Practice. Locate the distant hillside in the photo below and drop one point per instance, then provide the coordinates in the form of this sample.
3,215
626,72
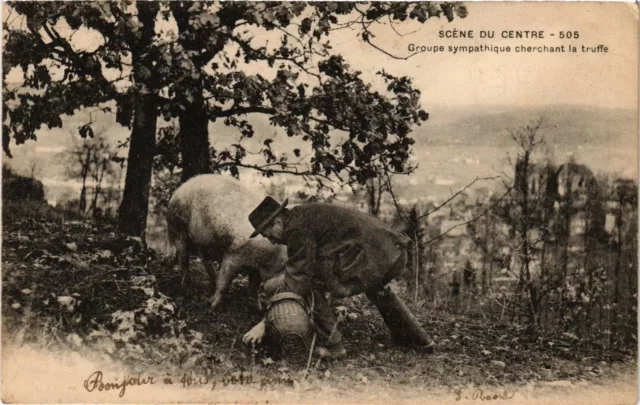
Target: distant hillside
565,125
457,145
454,146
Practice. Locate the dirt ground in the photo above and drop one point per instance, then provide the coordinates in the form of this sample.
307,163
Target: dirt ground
32,376
64,290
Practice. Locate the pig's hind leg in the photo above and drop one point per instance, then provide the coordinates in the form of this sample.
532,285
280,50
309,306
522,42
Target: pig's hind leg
179,239
212,260
182,258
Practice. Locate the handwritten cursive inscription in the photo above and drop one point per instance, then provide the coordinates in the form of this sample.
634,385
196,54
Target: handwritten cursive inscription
94,382
97,381
272,382
480,395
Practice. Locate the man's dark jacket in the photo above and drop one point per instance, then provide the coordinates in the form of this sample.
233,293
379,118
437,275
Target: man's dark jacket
347,251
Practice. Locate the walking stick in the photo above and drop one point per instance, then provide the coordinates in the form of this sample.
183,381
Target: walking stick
313,344
315,334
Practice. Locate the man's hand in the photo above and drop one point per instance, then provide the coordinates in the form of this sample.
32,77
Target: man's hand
255,335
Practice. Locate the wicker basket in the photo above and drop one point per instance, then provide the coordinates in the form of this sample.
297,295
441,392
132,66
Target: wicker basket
289,322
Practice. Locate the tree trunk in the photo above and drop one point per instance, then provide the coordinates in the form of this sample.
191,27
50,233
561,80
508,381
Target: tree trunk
542,316
98,179
132,215
566,239
484,276
84,173
616,275
417,265
194,138
374,195
534,312
194,121
83,197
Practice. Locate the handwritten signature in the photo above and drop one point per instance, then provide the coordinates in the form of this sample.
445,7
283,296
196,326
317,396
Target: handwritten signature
480,395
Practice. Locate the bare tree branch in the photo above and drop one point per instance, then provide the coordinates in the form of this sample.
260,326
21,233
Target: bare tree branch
392,24
366,38
473,219
462,190
243,110
266,169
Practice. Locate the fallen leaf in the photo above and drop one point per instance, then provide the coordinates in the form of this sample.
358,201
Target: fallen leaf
596,370
74,339
361,377
105,344
191,361
105,254
67,302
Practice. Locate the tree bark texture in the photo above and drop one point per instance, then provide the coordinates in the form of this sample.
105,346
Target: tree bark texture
132,214
194,138
132,218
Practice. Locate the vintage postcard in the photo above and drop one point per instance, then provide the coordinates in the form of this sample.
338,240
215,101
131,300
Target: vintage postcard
319,202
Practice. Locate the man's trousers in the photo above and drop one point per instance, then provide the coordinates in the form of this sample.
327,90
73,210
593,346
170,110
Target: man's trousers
405,328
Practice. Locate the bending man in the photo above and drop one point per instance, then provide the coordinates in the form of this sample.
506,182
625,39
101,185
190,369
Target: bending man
341,251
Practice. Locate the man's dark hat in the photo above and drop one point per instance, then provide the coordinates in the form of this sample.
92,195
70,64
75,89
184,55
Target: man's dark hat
262,216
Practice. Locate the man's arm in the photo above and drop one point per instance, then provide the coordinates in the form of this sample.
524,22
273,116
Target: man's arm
301,249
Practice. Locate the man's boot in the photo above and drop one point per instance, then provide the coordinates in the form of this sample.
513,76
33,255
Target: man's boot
405,328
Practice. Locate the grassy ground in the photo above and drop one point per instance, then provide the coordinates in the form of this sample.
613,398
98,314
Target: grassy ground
80,287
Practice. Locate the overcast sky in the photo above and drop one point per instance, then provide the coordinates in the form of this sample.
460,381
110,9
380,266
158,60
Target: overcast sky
606,80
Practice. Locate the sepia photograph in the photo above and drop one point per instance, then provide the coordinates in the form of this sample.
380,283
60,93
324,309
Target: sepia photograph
260,202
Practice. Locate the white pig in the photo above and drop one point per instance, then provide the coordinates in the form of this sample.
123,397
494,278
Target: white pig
208,215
